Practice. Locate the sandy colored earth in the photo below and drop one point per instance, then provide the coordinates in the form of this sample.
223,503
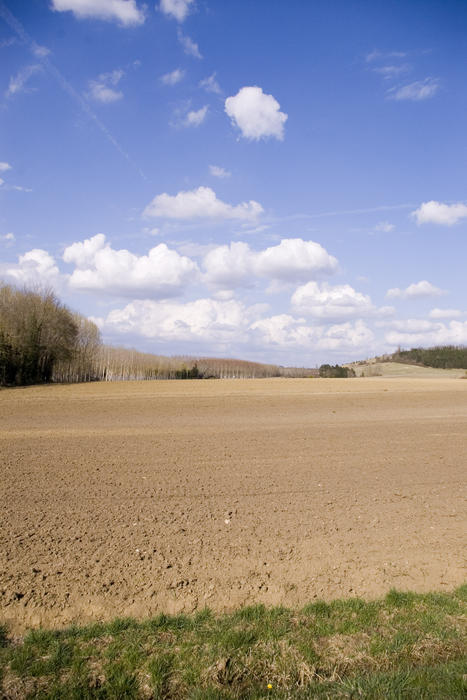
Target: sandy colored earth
139,497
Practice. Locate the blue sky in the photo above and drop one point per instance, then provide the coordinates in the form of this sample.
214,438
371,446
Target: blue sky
274,181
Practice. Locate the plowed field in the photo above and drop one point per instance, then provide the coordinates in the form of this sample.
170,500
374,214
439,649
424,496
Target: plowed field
140,497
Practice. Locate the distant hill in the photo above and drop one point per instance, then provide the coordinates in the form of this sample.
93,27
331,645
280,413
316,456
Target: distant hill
374,368
440,360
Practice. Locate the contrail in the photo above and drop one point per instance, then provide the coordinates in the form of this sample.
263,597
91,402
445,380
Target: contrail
343,212
18,28
369,210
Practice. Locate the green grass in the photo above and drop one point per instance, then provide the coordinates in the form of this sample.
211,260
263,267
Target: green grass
405,646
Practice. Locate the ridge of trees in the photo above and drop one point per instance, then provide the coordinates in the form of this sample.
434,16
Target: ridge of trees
438,356
42,340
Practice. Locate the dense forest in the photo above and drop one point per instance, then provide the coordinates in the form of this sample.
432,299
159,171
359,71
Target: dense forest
41,340
441,357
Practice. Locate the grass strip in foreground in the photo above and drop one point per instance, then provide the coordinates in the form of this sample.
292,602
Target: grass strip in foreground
405,646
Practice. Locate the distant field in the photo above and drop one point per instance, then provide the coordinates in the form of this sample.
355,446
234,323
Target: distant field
397,369
140,497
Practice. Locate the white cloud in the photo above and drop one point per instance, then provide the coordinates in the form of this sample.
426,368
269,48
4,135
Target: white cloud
36,266
103,90
445,313
384,227
202,320
126,12
200,203
217,171
162,273
1,181
210,84
195,118
423,333
256,114
331,302
83,253
8,238
19,81
295,260
417,290
286,331
227,322
419,90
391,71
437,213
40,51
230,265
178,9
19,188
174,77
189,46
4,167
292,260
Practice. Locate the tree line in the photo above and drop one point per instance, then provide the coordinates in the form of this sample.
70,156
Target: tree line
42,340
439,356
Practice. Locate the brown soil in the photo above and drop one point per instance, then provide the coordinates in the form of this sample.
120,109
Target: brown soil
140,497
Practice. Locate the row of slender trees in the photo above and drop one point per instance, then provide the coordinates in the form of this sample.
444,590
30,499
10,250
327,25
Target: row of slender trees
41,340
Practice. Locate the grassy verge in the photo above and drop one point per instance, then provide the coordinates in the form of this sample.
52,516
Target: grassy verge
405,646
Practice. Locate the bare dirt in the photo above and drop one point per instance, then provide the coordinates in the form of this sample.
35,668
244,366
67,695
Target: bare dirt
139,497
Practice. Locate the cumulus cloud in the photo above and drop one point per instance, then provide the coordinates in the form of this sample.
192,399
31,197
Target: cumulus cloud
417,290
286,331
330,302
205,320
230,265
177,9
295,260
210,84
196,117
217,171
36,266
417,91
174,77
19,81
4,167
292,260
189,46
437,213
445,313
256,114
199,203
126,12
162,273
414,332
231,323
103,89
